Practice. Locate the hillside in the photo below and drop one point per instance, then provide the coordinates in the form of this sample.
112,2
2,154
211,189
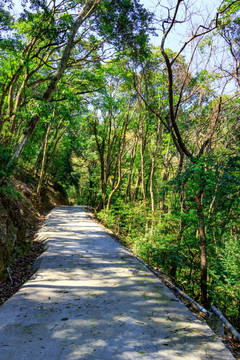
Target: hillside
21,214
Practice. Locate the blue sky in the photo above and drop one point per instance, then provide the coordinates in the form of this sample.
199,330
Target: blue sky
197,12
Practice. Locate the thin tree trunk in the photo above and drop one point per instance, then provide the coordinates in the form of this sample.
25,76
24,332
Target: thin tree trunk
143,139
43,160
203,249
54,148
153,169
86,11
13,113
100,149
120,156
128,191
120,175
136,188
34,169
14,79
142,170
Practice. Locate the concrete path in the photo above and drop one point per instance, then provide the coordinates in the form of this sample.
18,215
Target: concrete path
91,299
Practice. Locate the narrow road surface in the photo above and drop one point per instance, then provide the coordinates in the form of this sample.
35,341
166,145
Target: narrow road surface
91,299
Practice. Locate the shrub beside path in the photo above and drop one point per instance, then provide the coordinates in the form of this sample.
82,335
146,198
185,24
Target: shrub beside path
92,299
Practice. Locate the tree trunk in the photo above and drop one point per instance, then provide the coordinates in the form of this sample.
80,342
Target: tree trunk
153,169
43,160
136,188
129,183
142,170
203,249
51,155
116,186
86,11
120,156
34,169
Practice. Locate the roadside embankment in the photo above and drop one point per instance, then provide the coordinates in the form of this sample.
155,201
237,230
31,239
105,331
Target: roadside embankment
21,214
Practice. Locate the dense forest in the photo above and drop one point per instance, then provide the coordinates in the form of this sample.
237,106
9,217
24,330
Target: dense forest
146,135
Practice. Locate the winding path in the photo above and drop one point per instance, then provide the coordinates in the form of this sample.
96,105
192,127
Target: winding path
91,299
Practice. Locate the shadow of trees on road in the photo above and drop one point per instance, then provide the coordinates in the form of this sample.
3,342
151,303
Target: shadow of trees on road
91,299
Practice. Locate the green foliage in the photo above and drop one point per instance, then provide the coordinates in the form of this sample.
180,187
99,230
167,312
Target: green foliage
5,20
126,24
6,187
4,158
170,242
9,190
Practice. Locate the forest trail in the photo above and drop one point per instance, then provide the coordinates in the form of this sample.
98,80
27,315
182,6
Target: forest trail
92,299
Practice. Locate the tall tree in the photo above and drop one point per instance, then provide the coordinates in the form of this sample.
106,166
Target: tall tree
63,40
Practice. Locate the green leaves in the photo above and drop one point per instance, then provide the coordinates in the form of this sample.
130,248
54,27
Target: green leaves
5,20
125,23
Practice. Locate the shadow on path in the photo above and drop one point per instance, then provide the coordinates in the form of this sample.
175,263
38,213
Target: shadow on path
92,299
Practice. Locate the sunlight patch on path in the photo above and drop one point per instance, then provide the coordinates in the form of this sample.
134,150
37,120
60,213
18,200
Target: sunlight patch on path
91,299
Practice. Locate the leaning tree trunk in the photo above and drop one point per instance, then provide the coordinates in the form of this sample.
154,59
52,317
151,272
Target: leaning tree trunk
86,11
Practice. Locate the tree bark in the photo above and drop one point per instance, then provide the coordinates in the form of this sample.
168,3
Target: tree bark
203,249
120,156
136,188
153,169
129,182
43,160
56,141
